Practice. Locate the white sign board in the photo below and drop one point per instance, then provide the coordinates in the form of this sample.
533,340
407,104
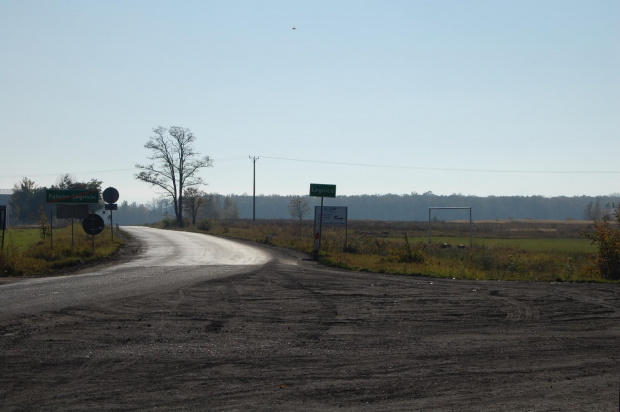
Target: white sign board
332,215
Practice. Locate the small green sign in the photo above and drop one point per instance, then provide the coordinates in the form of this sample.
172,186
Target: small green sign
319,190
83,196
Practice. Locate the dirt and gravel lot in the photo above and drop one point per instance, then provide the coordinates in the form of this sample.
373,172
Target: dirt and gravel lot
295,336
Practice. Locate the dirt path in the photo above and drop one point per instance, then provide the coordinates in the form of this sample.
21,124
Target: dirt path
293,336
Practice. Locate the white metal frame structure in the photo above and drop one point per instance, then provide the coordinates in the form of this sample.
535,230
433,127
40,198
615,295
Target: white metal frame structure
470,221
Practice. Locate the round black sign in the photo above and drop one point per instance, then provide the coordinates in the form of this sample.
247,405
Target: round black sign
110,195
93,224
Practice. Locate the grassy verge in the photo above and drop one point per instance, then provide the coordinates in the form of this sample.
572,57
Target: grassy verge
27,254
536,251
558,254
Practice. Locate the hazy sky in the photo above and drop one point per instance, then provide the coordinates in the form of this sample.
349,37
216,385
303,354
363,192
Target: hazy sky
493,97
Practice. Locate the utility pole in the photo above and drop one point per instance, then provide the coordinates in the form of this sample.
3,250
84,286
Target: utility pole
254,159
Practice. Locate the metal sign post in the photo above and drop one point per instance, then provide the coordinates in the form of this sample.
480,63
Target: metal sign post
75,197
110,196
72,212
318,247
332,216
2,223
93,225
320,190
111,207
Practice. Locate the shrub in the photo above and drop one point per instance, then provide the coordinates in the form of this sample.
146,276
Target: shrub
485,259
43,227
7,262
266,240
408,254
515,265
350,248
606,260
204,225
570,268
167,223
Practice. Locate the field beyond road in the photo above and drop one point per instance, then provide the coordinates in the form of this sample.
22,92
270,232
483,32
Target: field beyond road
292,335
488,250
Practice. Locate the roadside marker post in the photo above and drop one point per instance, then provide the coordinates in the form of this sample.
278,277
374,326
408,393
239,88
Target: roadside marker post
110,197
3,220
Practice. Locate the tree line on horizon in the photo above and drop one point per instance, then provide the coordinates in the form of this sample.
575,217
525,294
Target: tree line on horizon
28,202
415,207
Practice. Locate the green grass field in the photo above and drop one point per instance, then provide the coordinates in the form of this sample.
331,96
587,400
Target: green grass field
26,253
21,239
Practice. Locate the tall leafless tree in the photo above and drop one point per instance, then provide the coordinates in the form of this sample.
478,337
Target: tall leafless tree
298,207
176,164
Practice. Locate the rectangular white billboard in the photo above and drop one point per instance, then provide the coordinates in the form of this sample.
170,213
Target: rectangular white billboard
332,215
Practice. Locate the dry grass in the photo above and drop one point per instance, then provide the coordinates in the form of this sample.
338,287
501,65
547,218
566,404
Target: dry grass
26,253
501,250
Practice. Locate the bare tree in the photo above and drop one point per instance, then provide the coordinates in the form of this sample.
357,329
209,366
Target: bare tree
230,210
177,164
298,207
597,211
194,201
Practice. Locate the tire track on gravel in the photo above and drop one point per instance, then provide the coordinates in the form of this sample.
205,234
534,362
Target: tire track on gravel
517,310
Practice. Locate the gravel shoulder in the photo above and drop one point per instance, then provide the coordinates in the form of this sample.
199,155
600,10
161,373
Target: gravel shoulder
293,335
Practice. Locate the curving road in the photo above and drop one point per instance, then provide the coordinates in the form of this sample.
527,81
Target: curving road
171,248
166,259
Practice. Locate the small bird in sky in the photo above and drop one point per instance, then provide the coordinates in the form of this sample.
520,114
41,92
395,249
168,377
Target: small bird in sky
294,28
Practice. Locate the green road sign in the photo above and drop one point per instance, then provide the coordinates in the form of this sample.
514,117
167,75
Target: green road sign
318,190
72,196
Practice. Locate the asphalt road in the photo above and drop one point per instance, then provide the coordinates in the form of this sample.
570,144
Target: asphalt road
162,263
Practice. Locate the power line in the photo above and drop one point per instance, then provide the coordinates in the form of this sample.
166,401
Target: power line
133,169
72,173
445,169
441,169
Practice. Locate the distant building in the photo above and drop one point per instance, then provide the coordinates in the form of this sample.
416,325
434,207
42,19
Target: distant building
5,196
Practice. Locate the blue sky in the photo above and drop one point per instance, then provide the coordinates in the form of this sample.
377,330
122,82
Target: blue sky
472,97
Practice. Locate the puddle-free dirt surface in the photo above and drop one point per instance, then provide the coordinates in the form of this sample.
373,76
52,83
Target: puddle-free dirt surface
290,335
